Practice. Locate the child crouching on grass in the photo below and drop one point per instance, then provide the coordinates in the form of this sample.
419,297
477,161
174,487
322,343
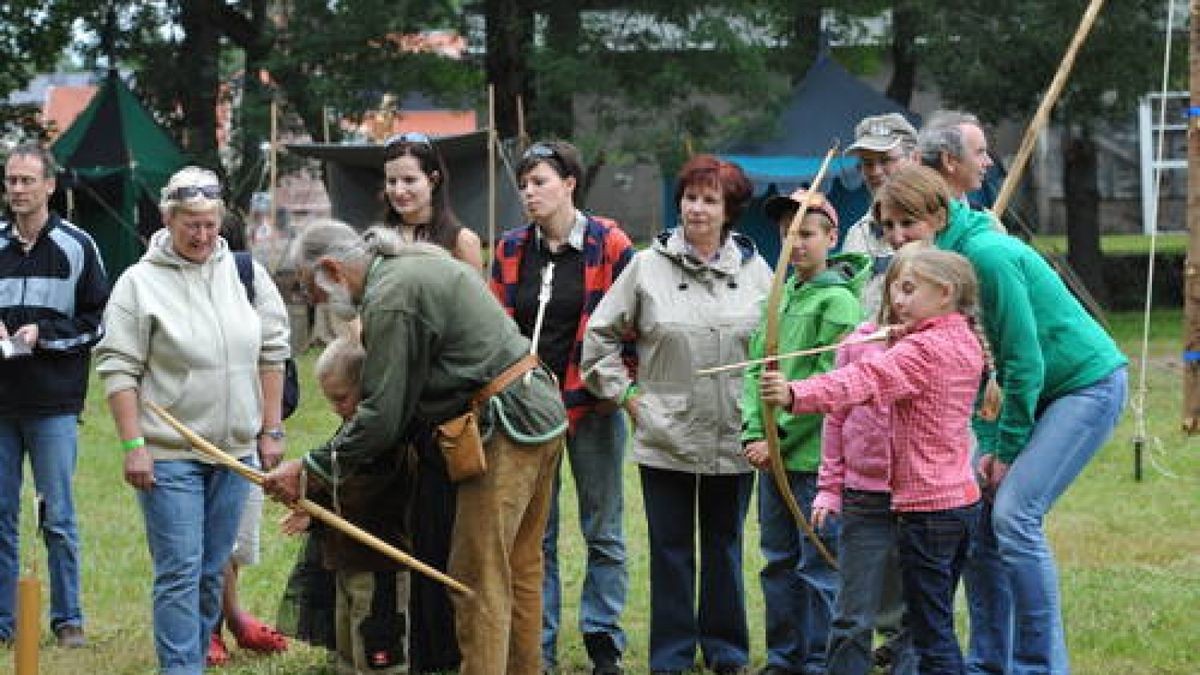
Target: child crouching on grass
372,590
930,376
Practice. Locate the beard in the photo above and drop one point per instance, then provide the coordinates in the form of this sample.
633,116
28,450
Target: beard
338,299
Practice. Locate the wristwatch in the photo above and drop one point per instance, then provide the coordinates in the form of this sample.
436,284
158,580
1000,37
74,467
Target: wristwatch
276,434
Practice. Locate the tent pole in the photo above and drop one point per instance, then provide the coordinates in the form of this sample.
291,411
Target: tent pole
274,158
522,135
491,155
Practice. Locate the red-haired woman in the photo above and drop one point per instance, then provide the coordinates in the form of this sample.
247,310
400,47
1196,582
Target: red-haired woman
692,300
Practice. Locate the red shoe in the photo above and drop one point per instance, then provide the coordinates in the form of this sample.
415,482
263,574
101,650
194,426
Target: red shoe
257,636
217,655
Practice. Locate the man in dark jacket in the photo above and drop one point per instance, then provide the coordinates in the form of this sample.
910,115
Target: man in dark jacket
52,293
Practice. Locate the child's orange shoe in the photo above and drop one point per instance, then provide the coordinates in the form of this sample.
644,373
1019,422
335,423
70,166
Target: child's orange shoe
256,636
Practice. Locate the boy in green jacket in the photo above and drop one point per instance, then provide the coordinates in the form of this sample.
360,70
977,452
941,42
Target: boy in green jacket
820,304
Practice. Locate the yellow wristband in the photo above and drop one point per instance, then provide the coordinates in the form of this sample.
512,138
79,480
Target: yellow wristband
133,444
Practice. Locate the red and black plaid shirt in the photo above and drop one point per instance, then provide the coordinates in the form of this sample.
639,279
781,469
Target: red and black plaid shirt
606,251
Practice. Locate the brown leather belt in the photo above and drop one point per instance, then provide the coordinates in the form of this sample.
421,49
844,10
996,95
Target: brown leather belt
505,378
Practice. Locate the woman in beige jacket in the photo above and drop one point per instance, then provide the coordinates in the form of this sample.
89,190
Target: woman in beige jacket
181,332
692,299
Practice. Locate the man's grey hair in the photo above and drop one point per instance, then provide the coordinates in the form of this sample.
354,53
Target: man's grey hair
942,133
38,152
329,238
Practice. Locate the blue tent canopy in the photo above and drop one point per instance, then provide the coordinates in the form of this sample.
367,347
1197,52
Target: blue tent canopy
788,172
824,107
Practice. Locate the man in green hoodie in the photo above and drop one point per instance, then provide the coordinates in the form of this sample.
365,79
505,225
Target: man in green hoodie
820,305
1064,384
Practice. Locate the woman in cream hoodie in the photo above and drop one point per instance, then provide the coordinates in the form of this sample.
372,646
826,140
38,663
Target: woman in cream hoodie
180,332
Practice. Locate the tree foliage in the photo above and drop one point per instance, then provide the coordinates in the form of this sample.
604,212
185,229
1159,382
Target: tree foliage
33,35
996,57
656,78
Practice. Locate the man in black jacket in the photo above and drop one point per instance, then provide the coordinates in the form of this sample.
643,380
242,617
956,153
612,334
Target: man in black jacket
52,294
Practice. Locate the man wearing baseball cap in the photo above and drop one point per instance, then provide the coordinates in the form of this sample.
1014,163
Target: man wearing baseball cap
870,599
882,144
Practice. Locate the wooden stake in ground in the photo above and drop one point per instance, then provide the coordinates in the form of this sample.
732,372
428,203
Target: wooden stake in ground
29,607
315,510
1191,268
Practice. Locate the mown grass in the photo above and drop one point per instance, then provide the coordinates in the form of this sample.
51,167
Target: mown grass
1129,552
1119,244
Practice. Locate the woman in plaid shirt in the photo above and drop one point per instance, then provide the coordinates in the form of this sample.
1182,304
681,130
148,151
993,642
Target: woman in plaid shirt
549,276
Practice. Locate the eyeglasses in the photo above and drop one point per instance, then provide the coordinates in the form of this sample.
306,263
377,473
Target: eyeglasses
184,193
410,137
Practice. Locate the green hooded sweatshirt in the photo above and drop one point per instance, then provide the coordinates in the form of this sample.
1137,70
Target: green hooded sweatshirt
815,313
1044,343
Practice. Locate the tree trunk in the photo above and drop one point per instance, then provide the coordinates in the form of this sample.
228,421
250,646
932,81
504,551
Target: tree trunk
509,42
806,39
1083,211
555,113
255,112
904,54
198,97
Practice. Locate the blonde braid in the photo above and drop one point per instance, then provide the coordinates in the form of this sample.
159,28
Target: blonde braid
993,395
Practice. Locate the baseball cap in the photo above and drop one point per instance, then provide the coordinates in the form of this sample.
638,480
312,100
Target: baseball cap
880,133
777,205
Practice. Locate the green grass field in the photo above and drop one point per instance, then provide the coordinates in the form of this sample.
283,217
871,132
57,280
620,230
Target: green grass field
1119,244
1129,552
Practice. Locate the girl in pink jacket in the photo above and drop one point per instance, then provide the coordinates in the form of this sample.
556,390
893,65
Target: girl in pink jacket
854,481
929,377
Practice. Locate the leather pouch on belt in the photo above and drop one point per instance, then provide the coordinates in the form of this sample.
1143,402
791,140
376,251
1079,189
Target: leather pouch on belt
462,447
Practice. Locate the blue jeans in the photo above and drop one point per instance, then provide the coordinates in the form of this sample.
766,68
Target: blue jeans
798,586
870,586
675,502
933,549
1011,578
50,442
595,449
191,517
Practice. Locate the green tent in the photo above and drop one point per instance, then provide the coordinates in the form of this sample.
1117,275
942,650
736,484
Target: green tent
115,160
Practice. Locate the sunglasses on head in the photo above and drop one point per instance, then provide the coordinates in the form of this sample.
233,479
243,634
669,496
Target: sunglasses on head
541,151
187,192
409,137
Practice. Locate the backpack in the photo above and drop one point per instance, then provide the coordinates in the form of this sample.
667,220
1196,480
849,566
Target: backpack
291,380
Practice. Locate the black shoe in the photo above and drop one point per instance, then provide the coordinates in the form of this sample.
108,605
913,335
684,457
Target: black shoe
883,656
70,637
604,654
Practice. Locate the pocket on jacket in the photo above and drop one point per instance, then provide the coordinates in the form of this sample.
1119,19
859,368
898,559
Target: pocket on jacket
661,418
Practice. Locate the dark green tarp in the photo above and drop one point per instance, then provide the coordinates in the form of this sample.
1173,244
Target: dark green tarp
115,159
